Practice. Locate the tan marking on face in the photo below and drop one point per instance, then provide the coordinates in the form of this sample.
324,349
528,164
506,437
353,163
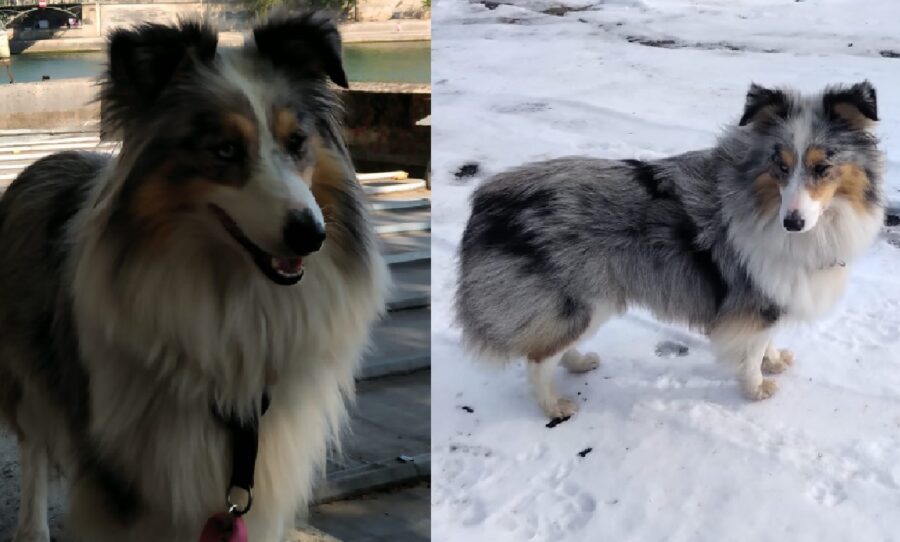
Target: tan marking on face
331,179
822,191
284,123
852,183
788,157
768,193
814,156
242,126
158,201
853,116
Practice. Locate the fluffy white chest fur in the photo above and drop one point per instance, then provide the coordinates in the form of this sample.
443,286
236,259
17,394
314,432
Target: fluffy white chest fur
806,273
171,341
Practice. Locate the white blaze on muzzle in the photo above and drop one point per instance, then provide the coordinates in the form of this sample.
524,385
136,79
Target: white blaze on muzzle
799,211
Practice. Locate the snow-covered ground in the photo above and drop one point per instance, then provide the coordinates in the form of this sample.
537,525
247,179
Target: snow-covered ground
675,454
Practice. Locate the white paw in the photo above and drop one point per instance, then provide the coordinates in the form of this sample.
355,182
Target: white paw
775,365
577,363
763,391
559,408
31,535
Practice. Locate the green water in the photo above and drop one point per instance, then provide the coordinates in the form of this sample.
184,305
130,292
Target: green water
401,62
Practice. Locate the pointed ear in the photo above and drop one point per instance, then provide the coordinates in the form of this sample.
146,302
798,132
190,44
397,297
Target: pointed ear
304,46
143,60
764,104
857,105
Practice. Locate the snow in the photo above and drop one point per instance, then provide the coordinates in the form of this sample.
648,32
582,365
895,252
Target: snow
676,453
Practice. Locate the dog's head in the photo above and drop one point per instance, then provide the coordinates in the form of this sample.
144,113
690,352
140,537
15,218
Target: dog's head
810,152
231,142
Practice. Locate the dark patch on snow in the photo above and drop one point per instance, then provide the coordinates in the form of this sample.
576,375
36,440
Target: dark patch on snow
583,453
663,44
704,46
467,170
892,220
559,11
894,241
468,409
671,349
525,107
556,421
888,53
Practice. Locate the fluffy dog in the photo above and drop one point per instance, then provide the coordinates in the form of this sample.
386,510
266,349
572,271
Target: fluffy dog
731,240
147,300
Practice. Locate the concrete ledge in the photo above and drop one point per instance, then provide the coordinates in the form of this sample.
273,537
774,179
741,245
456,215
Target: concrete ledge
373,32
381,118
55,104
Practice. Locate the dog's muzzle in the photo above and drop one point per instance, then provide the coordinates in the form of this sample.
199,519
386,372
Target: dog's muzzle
302,233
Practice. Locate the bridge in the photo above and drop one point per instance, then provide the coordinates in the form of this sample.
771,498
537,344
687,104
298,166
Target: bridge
9,15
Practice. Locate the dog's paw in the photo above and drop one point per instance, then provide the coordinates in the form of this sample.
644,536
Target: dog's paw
766,389
560,408
32,535
575,362
778,364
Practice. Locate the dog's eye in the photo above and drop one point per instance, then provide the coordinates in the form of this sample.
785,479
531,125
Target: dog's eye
779,163
228,150
295,143
821,169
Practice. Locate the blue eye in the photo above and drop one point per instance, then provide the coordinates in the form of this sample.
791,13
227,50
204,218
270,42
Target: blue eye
228,151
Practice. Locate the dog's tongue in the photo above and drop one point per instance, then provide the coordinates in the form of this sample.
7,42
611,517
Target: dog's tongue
288,266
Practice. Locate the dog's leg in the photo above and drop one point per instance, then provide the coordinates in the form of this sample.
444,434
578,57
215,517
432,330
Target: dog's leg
743,343
33,467
576,362
776,361
540,376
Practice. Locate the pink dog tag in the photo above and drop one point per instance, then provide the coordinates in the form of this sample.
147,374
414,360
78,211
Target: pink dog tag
224,528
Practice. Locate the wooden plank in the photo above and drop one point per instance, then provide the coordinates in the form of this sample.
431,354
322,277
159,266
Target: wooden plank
401,343
402,515
398,175
391,418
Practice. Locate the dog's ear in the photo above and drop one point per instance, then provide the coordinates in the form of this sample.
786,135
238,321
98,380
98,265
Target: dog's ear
857,105
143,60
764,104
305,46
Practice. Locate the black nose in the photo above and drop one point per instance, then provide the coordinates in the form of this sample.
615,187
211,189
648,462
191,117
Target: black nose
793,221
302,232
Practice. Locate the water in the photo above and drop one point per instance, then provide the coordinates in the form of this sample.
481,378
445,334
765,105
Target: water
401,62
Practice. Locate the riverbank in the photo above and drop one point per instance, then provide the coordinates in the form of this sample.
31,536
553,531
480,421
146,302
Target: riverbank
399,30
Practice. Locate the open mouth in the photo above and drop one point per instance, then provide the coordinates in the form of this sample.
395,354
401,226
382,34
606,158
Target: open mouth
280,270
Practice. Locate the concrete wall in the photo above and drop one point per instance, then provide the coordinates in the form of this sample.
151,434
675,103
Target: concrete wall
381,125
63,103
98,18
383,10
380,122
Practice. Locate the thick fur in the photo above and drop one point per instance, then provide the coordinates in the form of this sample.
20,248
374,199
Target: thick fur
553,249
130,317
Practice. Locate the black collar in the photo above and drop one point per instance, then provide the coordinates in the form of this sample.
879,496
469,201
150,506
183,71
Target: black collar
244,447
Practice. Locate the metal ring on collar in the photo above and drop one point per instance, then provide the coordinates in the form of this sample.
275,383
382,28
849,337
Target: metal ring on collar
233,509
